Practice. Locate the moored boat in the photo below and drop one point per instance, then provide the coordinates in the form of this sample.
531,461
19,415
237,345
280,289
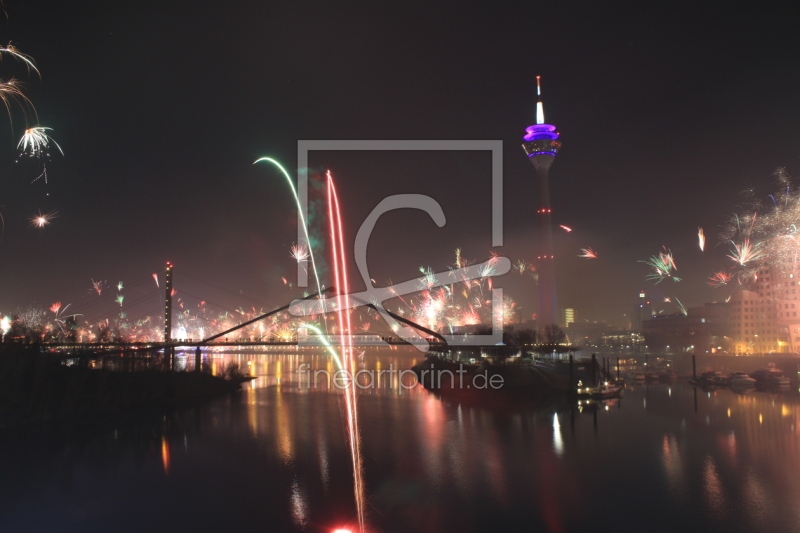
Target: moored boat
781,381
714,378
742,389
770,375
741,379
601,390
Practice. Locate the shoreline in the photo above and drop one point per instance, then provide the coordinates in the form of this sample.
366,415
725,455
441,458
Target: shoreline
38,389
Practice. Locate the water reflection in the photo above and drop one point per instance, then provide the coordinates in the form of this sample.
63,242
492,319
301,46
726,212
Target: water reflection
672,461
713,489
558,444
276,457
299,506
165,454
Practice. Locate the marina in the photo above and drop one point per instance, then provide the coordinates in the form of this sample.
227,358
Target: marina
712,459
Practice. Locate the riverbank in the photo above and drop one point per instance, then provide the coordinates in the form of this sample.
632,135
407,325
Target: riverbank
39,388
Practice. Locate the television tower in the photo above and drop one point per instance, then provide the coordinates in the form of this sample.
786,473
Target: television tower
541,145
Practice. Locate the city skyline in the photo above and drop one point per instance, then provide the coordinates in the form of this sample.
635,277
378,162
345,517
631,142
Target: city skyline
160,127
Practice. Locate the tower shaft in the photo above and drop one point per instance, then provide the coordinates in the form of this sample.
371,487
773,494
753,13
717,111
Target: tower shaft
168,305
545,256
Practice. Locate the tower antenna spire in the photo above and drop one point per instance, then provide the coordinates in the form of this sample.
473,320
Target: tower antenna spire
539,105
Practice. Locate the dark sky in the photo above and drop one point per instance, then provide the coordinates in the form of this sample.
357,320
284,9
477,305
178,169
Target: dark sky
666,115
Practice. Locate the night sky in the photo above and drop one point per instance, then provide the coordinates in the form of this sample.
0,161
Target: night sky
666,116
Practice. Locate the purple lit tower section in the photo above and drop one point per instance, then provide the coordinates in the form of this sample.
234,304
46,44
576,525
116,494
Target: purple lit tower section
541,145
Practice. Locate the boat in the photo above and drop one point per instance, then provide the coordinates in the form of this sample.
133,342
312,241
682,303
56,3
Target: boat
770,375
601,390
780,381
741,383
742,389
714,378
741,379
710,378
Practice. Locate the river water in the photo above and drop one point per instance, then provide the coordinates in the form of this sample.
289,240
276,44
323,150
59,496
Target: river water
275,457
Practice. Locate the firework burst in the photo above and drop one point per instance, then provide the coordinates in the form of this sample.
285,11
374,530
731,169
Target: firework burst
745,252
41,220
300,253
12,51
663,266
718,279
11,90
763,235
588,253
489,268
429,279
35,142
98,286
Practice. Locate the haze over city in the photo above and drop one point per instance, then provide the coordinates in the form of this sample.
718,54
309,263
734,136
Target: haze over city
666,116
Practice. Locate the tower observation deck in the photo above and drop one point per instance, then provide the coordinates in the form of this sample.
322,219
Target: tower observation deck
541,145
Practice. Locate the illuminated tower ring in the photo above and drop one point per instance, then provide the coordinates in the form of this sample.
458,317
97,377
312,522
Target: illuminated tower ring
541,145
541,139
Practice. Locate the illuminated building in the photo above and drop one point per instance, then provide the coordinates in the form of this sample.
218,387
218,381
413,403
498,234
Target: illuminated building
702,330
588,334
621,342
760,318
764,318
541,146
643,310
567,316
